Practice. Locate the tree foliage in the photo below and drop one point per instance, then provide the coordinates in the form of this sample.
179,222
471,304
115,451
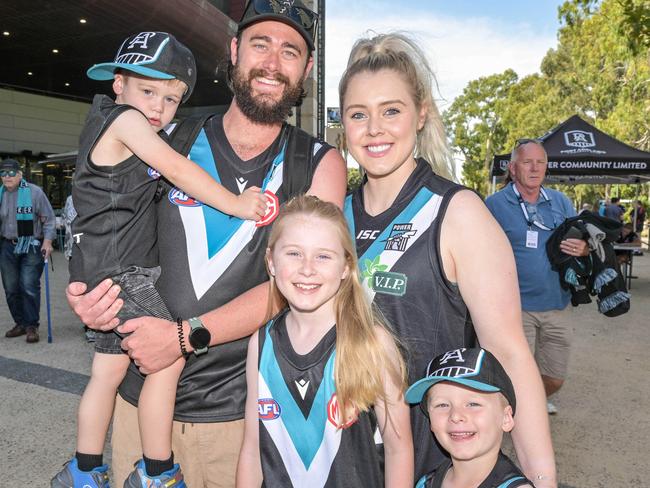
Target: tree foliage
354,179
474,119
600,70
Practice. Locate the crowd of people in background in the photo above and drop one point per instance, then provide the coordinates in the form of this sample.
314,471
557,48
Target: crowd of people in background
634,214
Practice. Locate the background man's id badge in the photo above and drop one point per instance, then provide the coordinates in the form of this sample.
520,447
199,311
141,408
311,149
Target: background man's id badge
531,239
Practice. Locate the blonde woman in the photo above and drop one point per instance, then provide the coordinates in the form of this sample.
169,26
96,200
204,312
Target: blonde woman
433,259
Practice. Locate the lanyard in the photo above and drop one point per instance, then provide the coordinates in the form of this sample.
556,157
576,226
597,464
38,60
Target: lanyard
522,204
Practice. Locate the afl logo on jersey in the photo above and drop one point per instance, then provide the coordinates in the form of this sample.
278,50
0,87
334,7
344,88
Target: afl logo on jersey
272,209
153,173
268,409
333,414
180,199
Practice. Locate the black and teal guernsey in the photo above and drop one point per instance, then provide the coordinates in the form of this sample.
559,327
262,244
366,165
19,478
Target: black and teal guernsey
115,227
401,270
300,444
208,258
504,475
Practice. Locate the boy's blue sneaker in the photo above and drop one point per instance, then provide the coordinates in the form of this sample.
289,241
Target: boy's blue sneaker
72,477
169,479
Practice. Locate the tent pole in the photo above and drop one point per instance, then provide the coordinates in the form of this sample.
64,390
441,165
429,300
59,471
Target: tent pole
636,199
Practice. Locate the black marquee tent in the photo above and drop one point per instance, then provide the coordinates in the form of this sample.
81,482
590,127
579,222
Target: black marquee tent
580,153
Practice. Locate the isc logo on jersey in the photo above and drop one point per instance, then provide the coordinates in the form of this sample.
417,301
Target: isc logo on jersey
153,173
365,235
180,199
268,409
333,414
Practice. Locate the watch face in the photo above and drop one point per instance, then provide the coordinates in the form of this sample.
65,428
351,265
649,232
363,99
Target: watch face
200,338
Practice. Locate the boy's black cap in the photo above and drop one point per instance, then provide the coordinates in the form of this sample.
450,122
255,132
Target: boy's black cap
292,12
154,55
475,368
9,164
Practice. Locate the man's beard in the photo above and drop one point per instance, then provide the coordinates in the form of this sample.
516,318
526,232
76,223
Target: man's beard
261,109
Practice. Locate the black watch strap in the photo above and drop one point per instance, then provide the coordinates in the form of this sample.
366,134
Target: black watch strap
199,336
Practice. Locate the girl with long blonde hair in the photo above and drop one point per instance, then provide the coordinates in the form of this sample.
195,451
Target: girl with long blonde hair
325,376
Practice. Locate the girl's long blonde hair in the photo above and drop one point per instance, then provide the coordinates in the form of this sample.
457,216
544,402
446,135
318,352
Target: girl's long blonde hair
399,53
362,361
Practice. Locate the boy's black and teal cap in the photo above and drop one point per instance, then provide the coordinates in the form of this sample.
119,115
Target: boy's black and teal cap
291,12
157,55
475,368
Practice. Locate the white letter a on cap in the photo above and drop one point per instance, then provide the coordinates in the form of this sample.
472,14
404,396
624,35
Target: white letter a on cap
457,354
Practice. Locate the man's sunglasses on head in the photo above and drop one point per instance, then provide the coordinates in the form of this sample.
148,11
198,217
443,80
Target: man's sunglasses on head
526,140
299,14
11,173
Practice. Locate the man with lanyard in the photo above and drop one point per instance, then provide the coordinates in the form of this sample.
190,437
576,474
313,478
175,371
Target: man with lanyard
212,265
528,214
27,226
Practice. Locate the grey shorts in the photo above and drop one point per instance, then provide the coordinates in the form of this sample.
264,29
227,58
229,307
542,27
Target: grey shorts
549,336
141,299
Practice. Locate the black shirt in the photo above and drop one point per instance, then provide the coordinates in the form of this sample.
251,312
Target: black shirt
201,271
115,225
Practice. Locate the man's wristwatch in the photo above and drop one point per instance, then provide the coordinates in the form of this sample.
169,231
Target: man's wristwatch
199,336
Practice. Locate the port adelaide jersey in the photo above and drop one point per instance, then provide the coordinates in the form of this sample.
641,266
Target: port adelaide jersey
300,444
401,271
208,258
504,475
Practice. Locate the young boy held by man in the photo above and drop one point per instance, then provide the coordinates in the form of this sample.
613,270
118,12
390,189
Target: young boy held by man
122,153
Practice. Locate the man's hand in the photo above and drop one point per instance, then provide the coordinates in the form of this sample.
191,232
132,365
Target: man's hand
153,344
98,308
574,247
46,249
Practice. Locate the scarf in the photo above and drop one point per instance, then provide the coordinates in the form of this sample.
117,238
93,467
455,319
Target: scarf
24,217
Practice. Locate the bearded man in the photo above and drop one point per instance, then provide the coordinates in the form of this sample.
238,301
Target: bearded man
213,268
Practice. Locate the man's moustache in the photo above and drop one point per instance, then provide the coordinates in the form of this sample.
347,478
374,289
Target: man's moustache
260,73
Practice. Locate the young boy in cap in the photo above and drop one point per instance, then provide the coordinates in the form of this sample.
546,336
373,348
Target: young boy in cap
121,156
470,402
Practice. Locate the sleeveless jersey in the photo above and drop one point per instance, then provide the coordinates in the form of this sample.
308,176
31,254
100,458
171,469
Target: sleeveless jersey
401,270
504,475
116,220
300,444
209,258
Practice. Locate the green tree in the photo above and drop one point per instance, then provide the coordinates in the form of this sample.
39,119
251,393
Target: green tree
602,64
475,128
600,70
354,179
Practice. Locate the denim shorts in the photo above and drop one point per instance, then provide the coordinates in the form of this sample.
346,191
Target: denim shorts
141,299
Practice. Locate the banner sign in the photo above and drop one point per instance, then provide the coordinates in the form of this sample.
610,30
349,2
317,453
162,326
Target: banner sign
578,152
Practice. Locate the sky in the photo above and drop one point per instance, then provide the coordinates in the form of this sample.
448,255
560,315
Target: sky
464,39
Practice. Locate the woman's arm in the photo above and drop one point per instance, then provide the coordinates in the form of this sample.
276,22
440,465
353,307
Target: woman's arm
477,255
393,417
249,467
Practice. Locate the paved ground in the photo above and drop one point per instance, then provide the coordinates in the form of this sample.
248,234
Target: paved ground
600,434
